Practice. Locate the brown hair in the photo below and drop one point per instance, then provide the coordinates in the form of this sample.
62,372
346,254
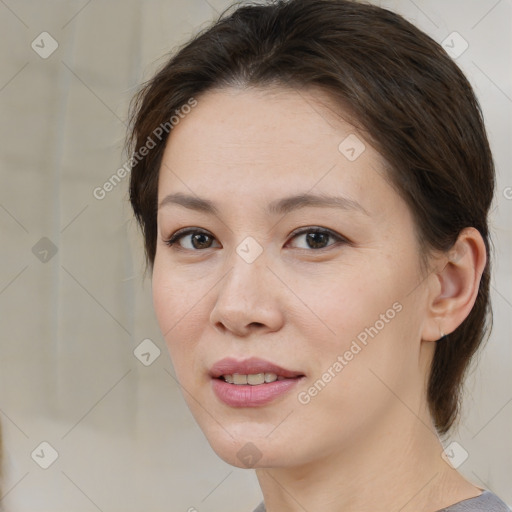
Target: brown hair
412,102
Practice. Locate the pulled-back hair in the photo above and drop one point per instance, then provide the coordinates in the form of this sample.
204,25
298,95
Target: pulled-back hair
401,89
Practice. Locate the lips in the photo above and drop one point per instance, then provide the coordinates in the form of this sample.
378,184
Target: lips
252,382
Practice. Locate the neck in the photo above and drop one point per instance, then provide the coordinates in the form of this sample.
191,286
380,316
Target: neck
381,470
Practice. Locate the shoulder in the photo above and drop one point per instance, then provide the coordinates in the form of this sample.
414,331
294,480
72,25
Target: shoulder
486,502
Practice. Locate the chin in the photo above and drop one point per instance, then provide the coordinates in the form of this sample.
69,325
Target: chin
245,449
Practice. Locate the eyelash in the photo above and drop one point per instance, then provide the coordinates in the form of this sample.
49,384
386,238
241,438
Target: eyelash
173,239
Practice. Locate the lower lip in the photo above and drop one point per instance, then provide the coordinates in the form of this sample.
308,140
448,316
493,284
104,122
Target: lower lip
245,395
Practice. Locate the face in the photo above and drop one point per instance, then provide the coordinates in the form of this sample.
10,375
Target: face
284,252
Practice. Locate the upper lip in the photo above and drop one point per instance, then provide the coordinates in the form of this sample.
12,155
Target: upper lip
229,366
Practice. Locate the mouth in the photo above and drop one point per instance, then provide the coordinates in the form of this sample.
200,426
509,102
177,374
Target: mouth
251,382
251,372
252,379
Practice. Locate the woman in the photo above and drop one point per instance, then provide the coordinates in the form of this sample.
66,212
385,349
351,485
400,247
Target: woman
312,179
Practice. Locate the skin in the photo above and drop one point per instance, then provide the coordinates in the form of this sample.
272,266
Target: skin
366,442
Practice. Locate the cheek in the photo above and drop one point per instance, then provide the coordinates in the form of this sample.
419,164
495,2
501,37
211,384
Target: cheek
379,335
179,303
342,303
366,314
177,292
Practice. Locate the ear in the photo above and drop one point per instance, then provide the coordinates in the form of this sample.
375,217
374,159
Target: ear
453,285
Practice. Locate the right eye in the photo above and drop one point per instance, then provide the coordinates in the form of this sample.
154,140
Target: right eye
193,239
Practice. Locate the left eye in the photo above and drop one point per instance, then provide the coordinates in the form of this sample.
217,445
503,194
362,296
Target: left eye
317,238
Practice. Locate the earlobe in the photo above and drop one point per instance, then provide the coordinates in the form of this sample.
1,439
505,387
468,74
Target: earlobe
455,286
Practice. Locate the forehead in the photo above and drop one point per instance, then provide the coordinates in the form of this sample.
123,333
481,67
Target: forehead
262,141
264,120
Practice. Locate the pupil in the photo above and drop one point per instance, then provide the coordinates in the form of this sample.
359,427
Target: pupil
201,239
316,240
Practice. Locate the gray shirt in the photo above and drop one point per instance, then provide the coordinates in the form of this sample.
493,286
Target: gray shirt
486,502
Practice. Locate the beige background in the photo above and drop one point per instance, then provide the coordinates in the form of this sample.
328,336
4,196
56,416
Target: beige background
69,325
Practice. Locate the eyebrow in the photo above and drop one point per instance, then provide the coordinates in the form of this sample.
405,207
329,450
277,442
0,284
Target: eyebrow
277,207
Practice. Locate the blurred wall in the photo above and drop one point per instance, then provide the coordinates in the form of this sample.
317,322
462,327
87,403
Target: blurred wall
111,429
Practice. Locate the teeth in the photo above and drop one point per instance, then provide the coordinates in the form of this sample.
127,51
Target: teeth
239,379
258,378
252,379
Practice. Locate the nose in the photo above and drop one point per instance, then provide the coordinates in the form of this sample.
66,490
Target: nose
248,300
